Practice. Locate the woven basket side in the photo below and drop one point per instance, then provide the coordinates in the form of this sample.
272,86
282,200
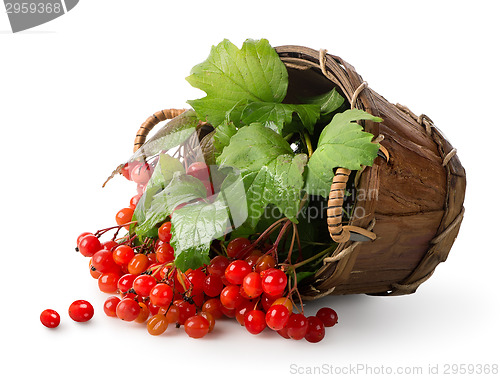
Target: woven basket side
424,225
447,232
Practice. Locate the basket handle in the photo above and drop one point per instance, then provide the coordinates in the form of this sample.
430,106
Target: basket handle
338,232
335,203
151,122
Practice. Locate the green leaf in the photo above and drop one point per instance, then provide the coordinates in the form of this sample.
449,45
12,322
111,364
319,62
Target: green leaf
180,190
233,193
342,143
271,172
222,135
194,226
165,169
280,114
328,102
192,257
162,175
232,77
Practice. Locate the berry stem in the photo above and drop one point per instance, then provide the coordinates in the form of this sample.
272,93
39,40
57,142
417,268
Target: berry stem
261,238
99,233
308,143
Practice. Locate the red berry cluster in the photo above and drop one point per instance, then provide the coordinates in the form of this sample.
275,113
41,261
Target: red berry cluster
153,291
245,283
254,292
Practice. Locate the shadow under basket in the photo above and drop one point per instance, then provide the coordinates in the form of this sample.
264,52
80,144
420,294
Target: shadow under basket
410,202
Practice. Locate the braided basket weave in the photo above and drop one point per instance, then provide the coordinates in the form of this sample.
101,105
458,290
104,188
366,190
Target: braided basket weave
412,205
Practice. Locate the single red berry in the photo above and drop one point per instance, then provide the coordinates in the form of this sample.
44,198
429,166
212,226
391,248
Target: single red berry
218,265
212,285
230,297
265,262
152,259
196,326
237,246
157,325
277,316
164,232
81,311
165,253
255,321
108,282
297,326
161,295
143,284
315,330
199,170
236,271
127,169
141,173
50,318
123,254
128,309
103,261
196,278
328,316
274,281
125,282
252,284
253,257
124,216
81,236
138,264
110,306
186,310
213,306
89,245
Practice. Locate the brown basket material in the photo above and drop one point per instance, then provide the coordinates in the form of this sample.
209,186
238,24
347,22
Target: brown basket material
413,198
417,206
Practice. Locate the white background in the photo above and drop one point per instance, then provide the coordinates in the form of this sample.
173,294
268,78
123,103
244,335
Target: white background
74,91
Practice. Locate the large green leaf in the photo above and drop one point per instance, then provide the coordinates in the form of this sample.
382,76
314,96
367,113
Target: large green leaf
162,175
222,136
194,226
342,143
180,190
231,76
271,172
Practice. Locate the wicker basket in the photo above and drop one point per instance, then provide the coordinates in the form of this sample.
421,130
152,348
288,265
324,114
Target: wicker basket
412,205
